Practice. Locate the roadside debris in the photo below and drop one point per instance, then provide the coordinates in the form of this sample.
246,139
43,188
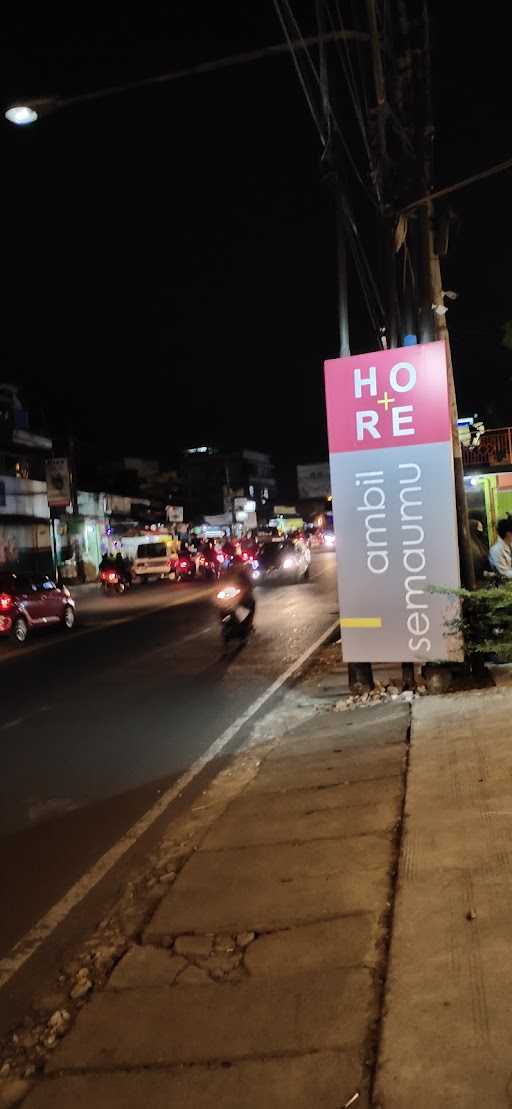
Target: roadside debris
379,695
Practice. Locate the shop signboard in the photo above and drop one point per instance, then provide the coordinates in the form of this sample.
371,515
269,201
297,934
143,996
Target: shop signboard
394,504
58,482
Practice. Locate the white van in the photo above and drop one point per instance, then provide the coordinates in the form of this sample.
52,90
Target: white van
154,560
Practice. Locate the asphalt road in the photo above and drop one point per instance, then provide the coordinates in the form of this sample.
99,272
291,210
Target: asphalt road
96,723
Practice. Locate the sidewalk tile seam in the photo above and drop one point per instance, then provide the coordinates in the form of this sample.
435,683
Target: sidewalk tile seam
281,928
379,834
328,785
246,974
375,834
215,1063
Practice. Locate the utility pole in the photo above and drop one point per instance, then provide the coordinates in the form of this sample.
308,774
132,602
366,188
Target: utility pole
432,320
360,674
466,558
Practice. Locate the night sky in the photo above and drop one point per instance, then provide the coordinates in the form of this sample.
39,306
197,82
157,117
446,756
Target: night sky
169,255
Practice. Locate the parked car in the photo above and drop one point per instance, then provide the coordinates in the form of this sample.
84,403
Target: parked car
283,561
28,603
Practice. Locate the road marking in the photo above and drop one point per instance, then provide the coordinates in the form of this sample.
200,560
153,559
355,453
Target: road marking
12,723
22,719
361,621
29,944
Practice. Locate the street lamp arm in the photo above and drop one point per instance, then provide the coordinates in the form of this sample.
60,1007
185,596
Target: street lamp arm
42,106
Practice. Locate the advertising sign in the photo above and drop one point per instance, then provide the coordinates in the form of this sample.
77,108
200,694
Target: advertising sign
314,481
58,482
394,503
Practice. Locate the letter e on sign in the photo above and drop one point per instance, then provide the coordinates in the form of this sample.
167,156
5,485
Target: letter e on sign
399,419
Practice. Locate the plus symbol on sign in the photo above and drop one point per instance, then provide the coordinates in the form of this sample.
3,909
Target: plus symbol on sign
386,401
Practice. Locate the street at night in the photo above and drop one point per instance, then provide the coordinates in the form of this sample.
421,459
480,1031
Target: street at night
255,557
96,723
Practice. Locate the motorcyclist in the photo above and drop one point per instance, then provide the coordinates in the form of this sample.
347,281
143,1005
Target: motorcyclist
229,549
239,578
123,567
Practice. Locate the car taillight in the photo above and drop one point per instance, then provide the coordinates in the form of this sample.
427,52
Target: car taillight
6,601
112,577
245,556
183,565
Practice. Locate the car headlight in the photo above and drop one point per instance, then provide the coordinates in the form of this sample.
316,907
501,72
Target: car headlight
289,563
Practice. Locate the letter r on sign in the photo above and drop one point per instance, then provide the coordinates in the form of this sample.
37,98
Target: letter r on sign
367,421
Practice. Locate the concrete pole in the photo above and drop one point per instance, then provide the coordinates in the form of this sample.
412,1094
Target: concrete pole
441,332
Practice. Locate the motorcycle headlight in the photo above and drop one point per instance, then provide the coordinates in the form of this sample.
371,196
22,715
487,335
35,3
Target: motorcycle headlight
227,594
289,563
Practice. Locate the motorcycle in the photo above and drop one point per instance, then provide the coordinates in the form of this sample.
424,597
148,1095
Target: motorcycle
112,581
211,565
236,613
185,568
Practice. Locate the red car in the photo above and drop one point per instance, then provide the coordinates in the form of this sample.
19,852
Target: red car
28,602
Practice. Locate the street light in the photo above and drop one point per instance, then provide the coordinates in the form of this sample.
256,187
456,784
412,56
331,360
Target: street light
31,110
21,114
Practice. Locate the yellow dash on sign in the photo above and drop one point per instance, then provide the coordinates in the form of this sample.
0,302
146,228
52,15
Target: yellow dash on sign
361,621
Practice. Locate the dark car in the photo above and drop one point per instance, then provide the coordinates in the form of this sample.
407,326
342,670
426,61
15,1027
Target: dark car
28,602
285,561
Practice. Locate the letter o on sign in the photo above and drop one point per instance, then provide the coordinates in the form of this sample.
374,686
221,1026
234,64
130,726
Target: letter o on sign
411,377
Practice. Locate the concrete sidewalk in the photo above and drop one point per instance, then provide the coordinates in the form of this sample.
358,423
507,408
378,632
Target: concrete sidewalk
258,980
447,1028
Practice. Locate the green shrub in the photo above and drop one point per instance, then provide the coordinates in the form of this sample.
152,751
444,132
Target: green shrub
485,621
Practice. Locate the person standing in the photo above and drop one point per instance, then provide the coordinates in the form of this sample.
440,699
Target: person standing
500,554
479,550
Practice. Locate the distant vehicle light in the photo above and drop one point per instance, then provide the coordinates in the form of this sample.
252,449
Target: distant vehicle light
112,577
183,565
256,574
245,556
220,558
5,600
255,563
228,594
21,114
289,563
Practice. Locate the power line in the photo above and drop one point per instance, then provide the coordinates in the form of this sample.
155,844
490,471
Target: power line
348,72
499,168
300,75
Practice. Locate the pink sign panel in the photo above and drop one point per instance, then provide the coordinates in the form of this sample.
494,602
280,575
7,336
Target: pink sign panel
392,398
394,505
